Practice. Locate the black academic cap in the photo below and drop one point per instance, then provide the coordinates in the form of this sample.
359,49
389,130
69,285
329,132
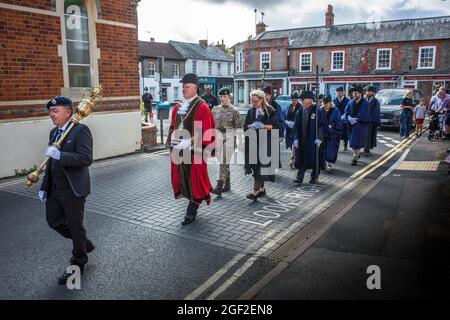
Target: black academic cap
307,95
268,90
190,78
327,99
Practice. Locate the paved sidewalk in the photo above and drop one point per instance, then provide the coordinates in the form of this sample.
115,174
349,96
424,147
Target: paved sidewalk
402,226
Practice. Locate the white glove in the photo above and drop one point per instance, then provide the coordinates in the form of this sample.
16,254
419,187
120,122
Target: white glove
318,142
53,152
281,139
290,124
257,125
352,120
296,143
42,196
343,117
185,143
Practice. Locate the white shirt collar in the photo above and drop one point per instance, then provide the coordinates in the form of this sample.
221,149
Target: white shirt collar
64,127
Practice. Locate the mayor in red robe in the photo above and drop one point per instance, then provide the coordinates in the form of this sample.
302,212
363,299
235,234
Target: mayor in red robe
190,140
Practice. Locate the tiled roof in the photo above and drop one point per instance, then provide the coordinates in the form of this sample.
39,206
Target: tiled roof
196,51
360,33
156,49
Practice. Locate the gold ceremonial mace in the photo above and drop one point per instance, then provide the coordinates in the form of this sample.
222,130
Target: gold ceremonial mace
84,109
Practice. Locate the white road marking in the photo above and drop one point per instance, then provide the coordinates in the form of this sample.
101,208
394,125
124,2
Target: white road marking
382,141
389,145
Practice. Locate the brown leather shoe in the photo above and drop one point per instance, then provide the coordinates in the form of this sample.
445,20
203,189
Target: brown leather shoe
218,188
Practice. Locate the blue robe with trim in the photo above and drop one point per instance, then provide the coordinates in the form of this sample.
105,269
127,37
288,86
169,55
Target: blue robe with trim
358,131
289,115
336,128
341,106
375,122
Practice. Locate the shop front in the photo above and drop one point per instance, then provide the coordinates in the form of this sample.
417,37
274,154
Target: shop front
207,82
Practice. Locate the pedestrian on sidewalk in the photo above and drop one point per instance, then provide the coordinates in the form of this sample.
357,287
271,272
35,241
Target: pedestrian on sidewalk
375,120
419,116
227,120
66,183
289,130
357,113
334,121
407,106
189,177
261,119
306,138
210,99
340,103
147,98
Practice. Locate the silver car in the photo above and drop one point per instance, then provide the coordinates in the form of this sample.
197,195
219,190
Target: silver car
390,100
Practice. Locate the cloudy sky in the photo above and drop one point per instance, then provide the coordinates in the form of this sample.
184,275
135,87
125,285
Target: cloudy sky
234,20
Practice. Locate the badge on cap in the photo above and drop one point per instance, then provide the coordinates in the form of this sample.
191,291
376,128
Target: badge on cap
53,101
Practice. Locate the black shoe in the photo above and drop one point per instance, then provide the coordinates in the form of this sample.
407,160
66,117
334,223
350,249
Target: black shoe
251,196
89,246
298,181
314,180
261,193
218,188
189,218
227,186
63,279
354,162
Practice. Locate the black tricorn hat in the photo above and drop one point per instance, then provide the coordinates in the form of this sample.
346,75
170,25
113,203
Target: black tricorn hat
190,78
307,95
295,95
358,89
327,99
59,101
320,96
372,89
268,90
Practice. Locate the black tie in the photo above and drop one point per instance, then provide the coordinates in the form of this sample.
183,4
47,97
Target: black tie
59,134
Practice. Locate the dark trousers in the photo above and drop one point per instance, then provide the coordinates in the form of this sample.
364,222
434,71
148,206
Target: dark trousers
65,214
302,170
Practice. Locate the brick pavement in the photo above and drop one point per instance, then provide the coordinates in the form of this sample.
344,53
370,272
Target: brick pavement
137,189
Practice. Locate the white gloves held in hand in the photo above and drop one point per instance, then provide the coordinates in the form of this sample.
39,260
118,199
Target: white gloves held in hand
42,196
183,144
352,120
257,125
290,124
318,142
53,152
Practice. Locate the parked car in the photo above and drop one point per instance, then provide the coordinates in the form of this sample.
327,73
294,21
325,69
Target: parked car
390,100
284,101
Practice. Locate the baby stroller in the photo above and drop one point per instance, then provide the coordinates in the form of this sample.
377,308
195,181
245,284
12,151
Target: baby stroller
435,126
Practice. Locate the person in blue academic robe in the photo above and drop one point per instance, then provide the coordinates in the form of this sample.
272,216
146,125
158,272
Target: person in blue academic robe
289,116
357,113
340,102
306,138
375,120
333,116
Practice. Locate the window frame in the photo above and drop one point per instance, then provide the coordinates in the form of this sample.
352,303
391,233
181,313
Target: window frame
194,63
176,70
419,56
300,61
210,68
239,62
332,60
378,59
154,69
261,60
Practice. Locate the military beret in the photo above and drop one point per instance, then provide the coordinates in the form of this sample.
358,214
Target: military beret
327,99
59,101
224,92
307,95
341,89
372,89
190,78
268,90
295,95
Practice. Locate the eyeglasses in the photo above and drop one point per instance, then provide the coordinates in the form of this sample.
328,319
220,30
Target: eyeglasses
255,100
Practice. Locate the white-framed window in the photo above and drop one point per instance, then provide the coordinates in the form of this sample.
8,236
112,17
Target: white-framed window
219,69
229,68
427,57
175,93
76,24
305,62
337,60
264,60
194,66
209,67
151,69
384,58
239,62
176,70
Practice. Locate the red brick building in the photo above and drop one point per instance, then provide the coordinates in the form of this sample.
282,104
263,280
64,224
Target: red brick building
61,47
401,53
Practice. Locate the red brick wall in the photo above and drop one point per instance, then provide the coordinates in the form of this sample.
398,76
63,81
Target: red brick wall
42,4
30,67
119,61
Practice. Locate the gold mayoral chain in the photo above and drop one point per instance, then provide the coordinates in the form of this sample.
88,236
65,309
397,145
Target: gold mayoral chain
84,109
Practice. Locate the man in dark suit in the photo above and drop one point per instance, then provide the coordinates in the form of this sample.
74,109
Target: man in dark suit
66,183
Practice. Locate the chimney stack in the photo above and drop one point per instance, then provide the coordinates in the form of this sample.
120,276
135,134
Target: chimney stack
152,39
203,43
260,28
329,17
221,46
